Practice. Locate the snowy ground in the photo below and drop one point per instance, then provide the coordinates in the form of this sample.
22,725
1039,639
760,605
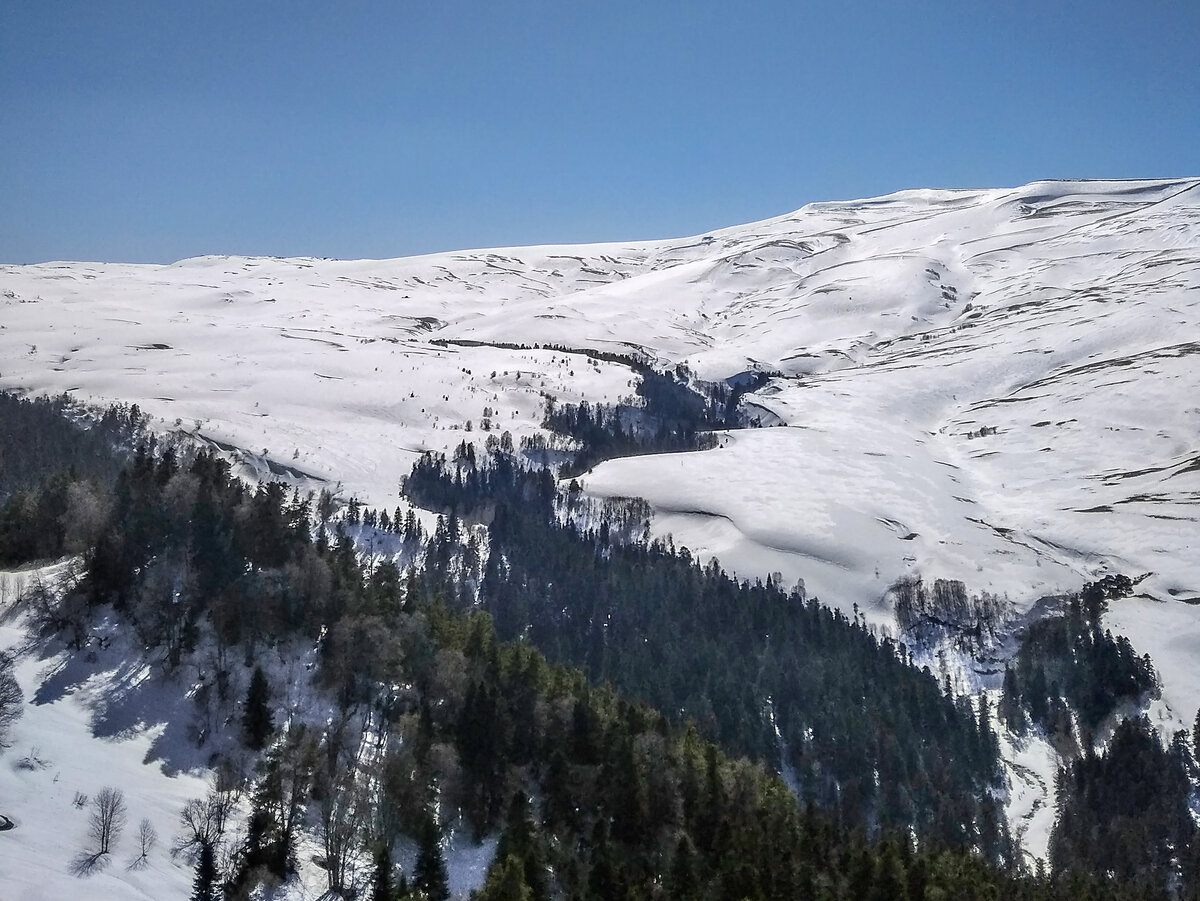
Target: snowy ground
65,747
1031,765
997,386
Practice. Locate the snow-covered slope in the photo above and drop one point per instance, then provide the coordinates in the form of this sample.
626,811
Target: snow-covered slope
997,386
89,723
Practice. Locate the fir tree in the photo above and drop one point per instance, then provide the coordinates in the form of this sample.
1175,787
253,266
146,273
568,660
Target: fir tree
204,886
430,874
520,841
684,881
506,882
382,886
257,724
604,878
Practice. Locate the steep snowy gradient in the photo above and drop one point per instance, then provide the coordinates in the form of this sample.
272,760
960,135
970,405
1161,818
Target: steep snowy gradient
998,386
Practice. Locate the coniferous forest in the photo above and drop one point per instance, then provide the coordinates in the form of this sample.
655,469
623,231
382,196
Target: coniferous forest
1068,670
765,672
628,723
55,474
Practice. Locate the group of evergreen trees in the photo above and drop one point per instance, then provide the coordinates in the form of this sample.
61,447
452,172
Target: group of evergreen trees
608,431
1124,813
45,436
766,673
189,541
631,804
672,416
56,464
1069,674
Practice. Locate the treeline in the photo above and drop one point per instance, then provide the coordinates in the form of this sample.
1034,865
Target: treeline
45,436
186,542
1124,811
629,803
673,416
56,465
636,362
1069,675
861,733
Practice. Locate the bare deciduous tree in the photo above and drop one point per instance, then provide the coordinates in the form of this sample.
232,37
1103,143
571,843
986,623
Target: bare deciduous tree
147,839
11,698
203,820
86,516
341,813
108,818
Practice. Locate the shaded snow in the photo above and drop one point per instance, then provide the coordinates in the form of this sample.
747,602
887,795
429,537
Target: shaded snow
60,748
1031,766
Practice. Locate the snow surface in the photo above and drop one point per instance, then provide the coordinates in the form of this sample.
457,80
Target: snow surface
65,746
1031,764
1060,317
997,386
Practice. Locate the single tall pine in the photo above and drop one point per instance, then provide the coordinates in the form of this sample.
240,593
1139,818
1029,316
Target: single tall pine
256,718
506,882
382,886
430,874
204,886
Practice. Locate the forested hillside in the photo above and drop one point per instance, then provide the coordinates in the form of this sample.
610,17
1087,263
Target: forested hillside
767,673
55,466
625,722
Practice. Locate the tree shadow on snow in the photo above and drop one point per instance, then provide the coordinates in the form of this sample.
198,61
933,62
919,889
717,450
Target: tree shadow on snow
88,863
127,697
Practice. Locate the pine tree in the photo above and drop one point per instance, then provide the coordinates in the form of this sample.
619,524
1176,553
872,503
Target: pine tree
382,886
506,882
204,886
888,883
521,841
257,724
604,878
430,875
684,881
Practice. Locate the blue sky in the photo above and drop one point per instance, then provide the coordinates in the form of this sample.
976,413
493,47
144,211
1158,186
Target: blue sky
156,130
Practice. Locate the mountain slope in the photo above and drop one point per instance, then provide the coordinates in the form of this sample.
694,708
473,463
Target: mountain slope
995,386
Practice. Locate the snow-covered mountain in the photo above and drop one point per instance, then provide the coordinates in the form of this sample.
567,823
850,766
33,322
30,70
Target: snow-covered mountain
996,386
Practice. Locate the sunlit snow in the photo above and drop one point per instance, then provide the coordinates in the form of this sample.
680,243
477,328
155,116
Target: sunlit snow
999,386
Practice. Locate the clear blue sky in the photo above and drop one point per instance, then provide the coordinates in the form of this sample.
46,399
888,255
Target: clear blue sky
155,130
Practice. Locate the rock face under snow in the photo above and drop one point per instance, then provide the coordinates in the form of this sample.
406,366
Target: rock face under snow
995,386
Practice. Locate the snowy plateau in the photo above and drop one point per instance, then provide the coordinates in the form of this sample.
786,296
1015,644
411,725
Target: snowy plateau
999,386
